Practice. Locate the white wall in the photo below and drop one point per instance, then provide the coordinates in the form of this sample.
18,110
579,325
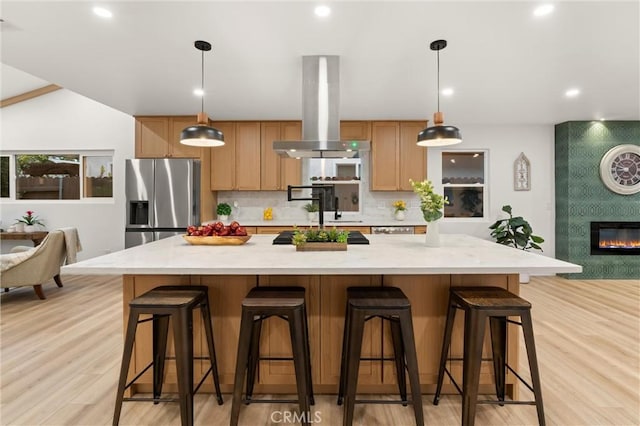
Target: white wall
64,120
505,143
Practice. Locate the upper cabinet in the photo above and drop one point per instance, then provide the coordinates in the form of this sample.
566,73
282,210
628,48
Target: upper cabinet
159,137
277,172
395,157
236,165
355,130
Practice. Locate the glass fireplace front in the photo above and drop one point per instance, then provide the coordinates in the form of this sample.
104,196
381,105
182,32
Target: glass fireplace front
615,238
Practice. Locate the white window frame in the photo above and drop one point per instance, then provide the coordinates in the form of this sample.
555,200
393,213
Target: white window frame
80,153
484,186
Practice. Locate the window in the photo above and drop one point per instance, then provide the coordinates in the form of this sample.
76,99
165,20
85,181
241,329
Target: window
98,176
463,179
56,176
4,176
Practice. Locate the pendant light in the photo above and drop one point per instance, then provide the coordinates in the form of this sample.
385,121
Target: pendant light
438,134
202,134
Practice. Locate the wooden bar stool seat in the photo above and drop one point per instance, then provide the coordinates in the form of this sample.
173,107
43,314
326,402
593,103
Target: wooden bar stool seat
261,303
390,304
497,305
163,303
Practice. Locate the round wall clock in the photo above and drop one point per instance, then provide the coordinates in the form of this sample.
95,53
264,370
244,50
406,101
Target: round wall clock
620,169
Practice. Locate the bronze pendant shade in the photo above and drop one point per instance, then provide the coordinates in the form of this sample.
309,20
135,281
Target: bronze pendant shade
438,134
202,134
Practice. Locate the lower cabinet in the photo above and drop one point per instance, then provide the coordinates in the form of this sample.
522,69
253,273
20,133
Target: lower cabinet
326,303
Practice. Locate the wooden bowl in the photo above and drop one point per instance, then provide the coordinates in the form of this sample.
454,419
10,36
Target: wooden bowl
232,240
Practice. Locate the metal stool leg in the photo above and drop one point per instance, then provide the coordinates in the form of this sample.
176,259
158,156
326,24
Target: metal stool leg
241,364
296,329
183,338
254,357
206,318
474,324
130,337
399,355
354,350
498,327
308,357
444,354
160,334
345,350
527,329
406,325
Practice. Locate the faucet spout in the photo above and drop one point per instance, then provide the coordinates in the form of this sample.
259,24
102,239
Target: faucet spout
336,214
319,198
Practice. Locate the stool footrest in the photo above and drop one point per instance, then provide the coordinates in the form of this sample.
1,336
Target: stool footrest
493,401
149,398
269,401
275,358
379,401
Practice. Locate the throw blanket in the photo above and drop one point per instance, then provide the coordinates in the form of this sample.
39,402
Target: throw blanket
8,261
72,242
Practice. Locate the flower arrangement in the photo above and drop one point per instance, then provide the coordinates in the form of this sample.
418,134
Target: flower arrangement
223,209
399,206
301,237
311,208
431,203
30,219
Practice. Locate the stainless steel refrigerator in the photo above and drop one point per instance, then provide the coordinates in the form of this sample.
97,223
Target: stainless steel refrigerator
163,198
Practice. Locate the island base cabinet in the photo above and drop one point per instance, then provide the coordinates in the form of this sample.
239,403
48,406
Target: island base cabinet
326,304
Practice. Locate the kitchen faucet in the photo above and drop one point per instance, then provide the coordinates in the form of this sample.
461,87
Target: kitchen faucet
336,215
319,198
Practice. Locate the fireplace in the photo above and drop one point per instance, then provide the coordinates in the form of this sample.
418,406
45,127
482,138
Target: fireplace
615,238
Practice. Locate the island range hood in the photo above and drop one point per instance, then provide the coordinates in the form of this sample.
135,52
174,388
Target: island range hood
320,114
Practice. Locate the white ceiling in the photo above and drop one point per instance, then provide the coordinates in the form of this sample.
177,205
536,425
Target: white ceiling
505,65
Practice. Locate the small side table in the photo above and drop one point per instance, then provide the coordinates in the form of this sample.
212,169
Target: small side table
36,237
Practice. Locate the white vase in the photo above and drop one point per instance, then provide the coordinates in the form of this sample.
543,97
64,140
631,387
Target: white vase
399,215
433,234
19,227
29,228
223,218
312,216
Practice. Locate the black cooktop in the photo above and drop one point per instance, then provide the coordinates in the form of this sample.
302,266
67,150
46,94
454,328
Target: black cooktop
355,237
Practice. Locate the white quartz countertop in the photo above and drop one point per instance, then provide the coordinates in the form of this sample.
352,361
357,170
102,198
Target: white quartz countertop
386,254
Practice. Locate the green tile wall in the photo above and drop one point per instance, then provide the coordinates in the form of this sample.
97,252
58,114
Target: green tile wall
581,197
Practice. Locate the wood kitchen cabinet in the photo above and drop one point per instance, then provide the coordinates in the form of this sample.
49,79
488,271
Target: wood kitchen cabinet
159,137
277,172
355,130
395,157
236,165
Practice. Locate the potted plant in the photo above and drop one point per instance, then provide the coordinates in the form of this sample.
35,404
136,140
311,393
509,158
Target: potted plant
515,232
223,210
399,208
320,239
432,206
29,221
312,211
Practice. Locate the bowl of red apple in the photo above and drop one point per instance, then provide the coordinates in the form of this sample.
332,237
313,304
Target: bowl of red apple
217,233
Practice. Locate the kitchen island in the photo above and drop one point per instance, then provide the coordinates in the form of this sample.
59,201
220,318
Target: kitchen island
425,275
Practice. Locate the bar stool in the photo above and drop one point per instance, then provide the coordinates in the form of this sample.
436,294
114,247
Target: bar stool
391,304
163,303
496,304
260,304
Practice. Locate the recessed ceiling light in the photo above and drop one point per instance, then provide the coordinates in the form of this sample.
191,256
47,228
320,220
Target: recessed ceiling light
543,10
572,93
198,92
476,155
102,12
322,11
448,91
453,160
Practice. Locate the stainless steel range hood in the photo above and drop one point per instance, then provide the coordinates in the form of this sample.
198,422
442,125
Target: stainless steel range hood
320,114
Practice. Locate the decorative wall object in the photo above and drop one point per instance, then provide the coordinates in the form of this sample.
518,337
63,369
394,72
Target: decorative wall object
620,169
522,173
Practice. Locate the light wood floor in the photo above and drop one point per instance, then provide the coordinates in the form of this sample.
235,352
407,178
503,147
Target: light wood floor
60,359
